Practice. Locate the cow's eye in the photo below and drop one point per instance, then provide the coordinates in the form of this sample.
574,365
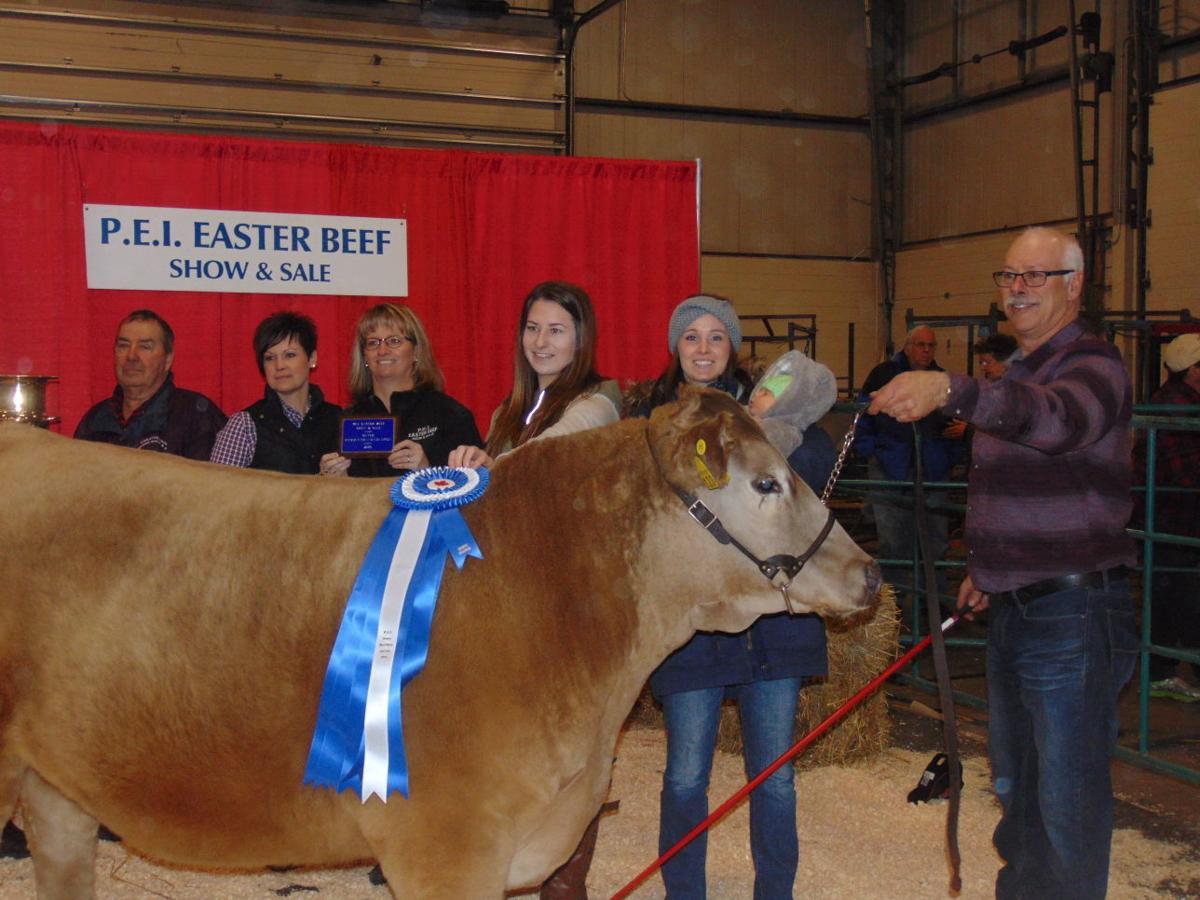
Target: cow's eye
766,486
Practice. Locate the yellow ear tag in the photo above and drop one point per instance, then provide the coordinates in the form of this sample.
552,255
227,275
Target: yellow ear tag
707,478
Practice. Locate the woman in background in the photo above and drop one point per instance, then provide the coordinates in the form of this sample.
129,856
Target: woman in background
393,373
292,426
556,391
762,668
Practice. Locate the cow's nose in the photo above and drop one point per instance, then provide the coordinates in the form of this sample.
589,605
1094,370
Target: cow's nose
874,580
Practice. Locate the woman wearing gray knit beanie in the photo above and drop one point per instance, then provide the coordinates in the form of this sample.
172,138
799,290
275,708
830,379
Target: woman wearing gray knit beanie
703,337
762,668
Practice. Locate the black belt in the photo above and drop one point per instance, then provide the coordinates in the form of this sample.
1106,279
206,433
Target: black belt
1030,592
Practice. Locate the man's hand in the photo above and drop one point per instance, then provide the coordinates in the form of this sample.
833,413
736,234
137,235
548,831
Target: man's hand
955,430
971,599
911,395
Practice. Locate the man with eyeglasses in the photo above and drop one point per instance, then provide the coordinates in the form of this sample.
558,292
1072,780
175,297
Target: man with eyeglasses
146,410
1048,500
889,446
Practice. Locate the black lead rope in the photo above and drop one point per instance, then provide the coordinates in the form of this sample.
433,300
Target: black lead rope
945,693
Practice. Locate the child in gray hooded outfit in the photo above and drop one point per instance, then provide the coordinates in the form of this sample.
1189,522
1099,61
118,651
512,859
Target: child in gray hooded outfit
788,400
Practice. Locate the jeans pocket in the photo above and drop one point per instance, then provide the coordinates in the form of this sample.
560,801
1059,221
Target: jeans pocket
1124,644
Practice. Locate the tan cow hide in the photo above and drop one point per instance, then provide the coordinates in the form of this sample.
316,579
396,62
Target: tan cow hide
165,627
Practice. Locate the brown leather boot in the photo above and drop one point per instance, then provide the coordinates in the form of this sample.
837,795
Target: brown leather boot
569,881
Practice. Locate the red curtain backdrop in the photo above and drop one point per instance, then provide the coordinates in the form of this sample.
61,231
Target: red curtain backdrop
482,230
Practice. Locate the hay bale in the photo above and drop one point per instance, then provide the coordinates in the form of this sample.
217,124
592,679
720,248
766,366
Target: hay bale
858,651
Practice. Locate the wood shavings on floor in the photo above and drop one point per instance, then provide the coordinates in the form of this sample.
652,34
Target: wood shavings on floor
858,838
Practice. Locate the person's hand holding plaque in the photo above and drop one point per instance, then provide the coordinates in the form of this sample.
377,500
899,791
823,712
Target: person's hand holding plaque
408,454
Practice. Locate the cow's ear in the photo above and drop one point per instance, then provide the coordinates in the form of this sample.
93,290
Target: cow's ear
692,439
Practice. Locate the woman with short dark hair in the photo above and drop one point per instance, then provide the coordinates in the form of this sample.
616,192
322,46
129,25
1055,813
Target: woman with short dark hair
292,426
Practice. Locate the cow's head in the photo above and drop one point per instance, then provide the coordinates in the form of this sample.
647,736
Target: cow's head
708,448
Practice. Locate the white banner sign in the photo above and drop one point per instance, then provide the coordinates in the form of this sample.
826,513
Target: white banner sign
151,248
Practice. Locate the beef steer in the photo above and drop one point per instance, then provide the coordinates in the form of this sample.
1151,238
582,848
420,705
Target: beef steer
165,627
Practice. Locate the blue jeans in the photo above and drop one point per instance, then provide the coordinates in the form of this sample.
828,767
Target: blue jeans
768,715
1054,669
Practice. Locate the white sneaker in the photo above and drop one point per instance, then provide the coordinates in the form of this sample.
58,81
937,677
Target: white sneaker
1175,688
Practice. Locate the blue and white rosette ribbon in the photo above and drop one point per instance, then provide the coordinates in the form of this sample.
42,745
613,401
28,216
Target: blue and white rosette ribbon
384,636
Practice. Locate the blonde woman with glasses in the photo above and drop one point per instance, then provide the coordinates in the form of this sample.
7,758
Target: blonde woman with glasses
393,372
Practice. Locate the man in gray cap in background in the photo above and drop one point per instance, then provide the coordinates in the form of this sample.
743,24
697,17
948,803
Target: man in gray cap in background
1175,612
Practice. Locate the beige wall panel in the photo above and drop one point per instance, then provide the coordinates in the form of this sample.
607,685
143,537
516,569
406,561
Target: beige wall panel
767,188
984,28
948,278
383,23
1183,63
929,42
642,136
163,53
833,192
766,193
654,37
803,191
597,56
987,27
837,292
1048,14
992,167
720,152
797,55
807,57
248,67
281,103
716,46
1175,200
599,135
1179,17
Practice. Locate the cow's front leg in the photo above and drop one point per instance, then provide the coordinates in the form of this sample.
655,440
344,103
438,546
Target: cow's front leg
11,770
450,854
476,876
62,841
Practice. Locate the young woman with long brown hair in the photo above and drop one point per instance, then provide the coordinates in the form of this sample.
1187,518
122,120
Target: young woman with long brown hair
556,389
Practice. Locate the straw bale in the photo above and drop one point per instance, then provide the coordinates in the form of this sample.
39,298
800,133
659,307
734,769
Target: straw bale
859,649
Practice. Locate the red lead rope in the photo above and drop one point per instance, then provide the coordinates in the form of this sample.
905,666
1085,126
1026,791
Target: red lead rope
795,750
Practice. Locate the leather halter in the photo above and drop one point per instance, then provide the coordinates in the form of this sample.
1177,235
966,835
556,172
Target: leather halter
789,565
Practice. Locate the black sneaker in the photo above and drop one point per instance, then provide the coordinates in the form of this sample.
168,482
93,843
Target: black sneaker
935,781
12,843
